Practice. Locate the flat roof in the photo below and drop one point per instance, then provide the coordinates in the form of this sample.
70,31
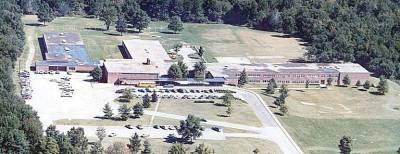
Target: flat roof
143,49
135,66
221,69
62,46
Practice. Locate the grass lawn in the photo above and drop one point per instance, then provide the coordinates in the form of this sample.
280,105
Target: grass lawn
229,146
143,120
319,118
100,44
242,113
222,40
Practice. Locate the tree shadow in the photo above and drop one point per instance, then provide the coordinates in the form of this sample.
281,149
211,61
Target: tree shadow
362,89
219,104
167,32
283,36
375,93
272,106
278,113
96,29
112,34
34,24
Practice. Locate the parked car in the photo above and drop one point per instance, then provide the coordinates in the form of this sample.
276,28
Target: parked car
156,126
129,126
217,129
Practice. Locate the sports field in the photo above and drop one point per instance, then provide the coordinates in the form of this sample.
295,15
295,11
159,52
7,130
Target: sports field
222,40
319,118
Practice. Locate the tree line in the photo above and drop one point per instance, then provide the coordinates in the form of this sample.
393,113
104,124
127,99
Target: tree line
20,128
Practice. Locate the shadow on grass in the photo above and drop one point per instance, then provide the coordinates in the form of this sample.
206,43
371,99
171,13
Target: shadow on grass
376,93
112,118
278,113
173,139
272,106
34,24
113,34
96,29
362,90
167,32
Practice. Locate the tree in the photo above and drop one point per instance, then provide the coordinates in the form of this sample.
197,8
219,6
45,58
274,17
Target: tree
96,73
140,20
227,99
121,24
229,110
97,148
107,111
273,82
367,84
124,112
284,91
177,149
329,81
358,83
146,101
147,148
154,97
137,110
128,93
51,131
107,12
199,69
134,143
78,139
383,86
174,72
190,129
242,78
177,47
201,51
183,68
307,83
175,24
203,149
101,133
256,151
117,148
346,80
283,109
270,87
50,146
45,14
345,145
64,144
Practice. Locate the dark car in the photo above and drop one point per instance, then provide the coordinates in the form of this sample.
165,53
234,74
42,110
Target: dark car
129,126
217,129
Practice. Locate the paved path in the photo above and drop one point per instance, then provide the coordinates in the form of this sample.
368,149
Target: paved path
31,53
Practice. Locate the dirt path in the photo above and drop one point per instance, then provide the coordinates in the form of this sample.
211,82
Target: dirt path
31,46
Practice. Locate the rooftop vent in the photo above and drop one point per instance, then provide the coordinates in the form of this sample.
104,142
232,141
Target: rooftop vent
64,41
67,49
62,34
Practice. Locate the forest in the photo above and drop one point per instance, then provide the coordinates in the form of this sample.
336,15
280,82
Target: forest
362,31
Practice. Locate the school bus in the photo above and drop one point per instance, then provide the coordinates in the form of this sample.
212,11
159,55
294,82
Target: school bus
146,84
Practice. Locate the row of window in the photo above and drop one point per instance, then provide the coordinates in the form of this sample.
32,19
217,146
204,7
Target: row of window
282,81
290,75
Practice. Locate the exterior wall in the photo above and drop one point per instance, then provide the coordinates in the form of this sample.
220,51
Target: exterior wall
84,68
125,52
296,77
115,77
354,77
42,68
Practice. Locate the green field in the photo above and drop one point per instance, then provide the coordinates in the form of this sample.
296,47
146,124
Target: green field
242,113
222,40
100,44
229,146
317,119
